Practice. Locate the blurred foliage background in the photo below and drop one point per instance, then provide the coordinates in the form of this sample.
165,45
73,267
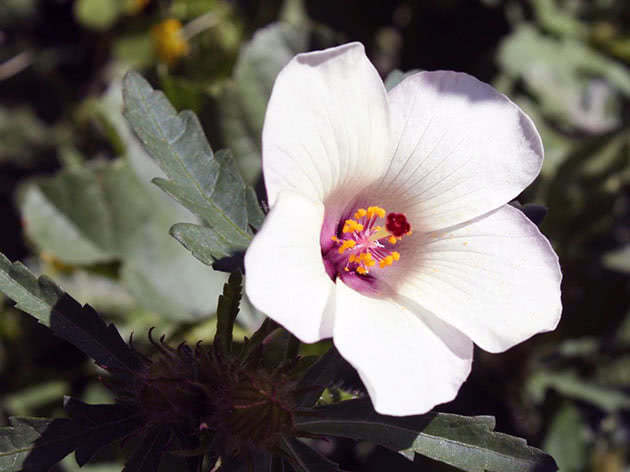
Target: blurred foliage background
76,200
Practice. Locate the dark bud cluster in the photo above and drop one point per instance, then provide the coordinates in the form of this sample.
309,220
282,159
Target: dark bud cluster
212,404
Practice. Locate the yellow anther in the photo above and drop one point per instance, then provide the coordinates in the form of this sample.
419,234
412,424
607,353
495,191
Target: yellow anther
396,255
378,228
335,238
352,258
393,239
351,226
389,260
347,244
360,213
375,211
362,270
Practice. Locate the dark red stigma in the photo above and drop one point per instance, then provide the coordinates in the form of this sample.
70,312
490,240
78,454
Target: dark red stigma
397,224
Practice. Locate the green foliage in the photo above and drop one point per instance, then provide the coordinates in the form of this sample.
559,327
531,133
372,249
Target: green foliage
571,386
566,89
468,443
102,213
244,101
22,136
208,184
98,14
226,313
566,439
37,297
619,259
35,444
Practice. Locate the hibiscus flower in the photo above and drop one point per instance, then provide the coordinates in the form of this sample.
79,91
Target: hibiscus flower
389,227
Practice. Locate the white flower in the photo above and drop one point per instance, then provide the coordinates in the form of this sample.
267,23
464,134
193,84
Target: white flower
443,153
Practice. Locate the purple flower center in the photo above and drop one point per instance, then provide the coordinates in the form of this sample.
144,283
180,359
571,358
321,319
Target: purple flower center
363,243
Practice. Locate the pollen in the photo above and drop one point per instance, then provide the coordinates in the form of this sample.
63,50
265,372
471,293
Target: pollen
360,213
366,241
350,226
347,244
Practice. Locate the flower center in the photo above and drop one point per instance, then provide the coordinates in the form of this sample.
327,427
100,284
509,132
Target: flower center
365,242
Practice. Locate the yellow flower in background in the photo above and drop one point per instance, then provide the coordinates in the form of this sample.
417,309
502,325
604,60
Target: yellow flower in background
169,41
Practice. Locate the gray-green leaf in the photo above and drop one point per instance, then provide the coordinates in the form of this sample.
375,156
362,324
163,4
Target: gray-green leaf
104,213
35,444
468,443
37,297
208,184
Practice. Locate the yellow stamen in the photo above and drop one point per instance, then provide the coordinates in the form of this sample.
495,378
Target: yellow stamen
393,239
366,258
362,270
348,243
335,239
374,210
360,213
351,226
396,255
389,260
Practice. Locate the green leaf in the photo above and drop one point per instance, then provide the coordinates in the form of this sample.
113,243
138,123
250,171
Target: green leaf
78,325
104,213
226,313
201,241
566,89
70,216
566,439
619,259
319,376
24,401
468,443
304,458
570,385
85,329
22,135
37,297
208,184
243,103
100,425
147,457
35,444
97,14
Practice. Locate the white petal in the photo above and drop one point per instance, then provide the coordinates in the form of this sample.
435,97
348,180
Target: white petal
496,279
408,361
461,148
327,124
284,272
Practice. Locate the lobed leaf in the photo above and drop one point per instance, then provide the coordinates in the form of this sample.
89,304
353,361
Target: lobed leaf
36,444
208,184
80,326
35,296
468,443
85,329
99,425
104,213
148,455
